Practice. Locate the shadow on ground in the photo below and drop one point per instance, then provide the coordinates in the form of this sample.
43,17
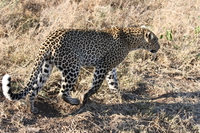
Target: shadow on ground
122,116
142,106
136,109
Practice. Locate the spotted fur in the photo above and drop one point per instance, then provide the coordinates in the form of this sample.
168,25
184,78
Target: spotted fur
70,49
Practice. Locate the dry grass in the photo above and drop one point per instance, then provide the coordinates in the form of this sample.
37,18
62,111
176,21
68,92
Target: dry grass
160,95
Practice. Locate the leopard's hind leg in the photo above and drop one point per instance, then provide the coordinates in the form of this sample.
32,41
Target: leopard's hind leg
42,77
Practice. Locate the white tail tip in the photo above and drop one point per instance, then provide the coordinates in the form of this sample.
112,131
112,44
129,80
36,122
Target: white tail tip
6,86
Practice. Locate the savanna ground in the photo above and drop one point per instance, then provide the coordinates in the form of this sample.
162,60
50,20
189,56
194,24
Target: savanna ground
159,94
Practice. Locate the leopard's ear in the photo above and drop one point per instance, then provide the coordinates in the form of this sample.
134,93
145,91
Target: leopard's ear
148,36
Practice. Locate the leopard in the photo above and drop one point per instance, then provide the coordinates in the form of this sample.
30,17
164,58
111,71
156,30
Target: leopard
71,49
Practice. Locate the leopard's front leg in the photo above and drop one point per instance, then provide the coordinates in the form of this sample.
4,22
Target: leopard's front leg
112,81
99,76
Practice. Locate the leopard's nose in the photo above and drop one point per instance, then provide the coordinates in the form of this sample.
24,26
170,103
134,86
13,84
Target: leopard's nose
153,51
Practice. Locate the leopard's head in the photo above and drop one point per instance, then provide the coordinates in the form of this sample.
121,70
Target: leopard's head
151,41
142,38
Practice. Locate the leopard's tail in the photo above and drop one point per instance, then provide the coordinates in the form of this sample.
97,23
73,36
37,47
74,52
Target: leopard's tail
41,71
7,90
40,74
6,86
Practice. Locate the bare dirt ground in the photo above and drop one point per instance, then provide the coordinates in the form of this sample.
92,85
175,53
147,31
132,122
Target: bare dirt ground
159,93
